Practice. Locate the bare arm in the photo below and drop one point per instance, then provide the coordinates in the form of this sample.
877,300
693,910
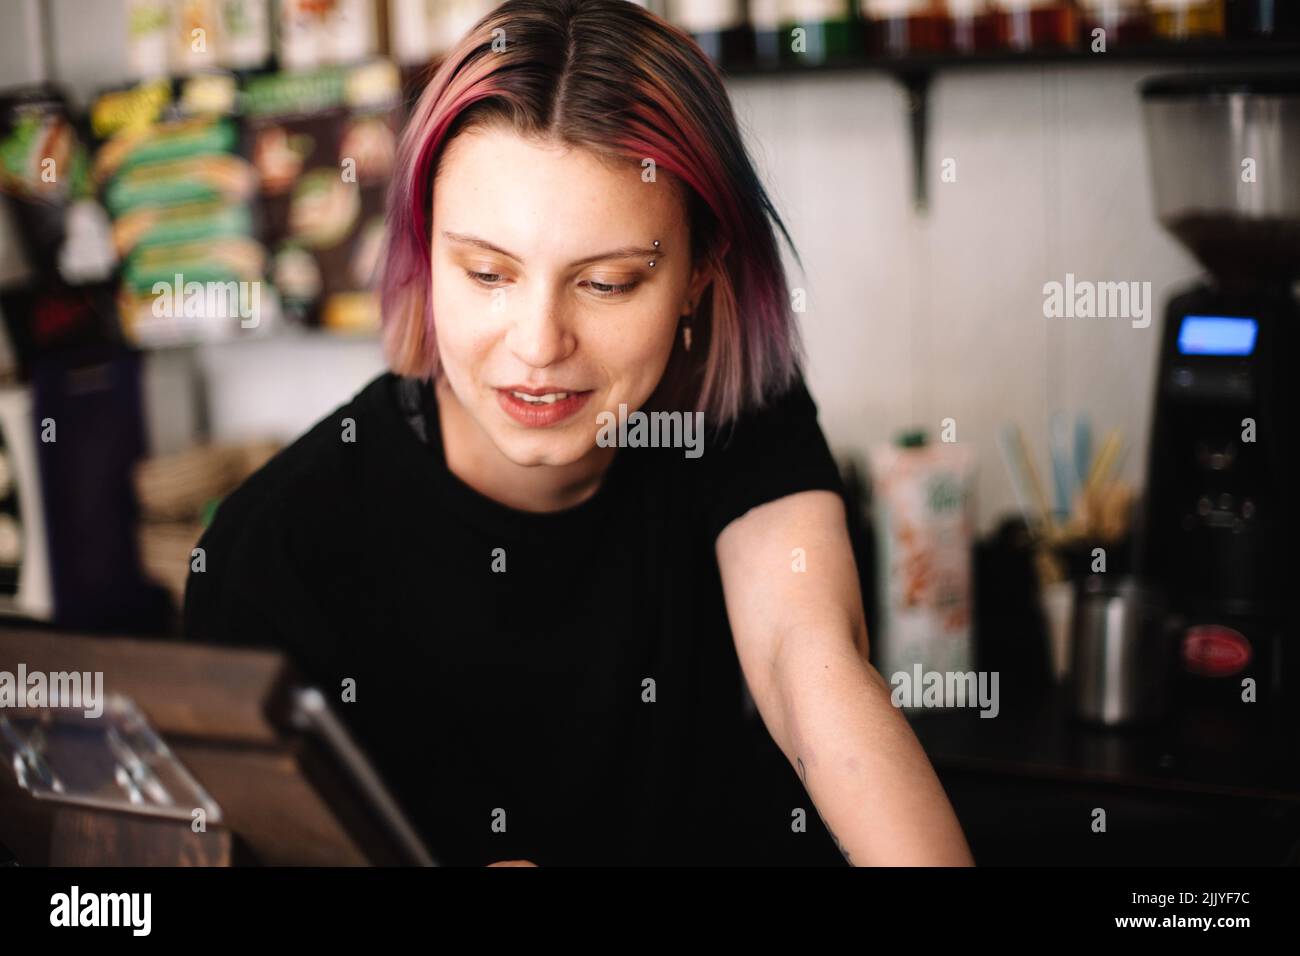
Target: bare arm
802,643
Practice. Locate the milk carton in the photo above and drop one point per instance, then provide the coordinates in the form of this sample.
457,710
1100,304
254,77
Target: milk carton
923,502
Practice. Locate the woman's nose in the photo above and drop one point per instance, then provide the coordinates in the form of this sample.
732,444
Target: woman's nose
539,333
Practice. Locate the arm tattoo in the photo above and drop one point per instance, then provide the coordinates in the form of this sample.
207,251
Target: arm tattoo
803,775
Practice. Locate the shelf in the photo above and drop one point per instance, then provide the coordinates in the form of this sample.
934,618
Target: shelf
284,333
1198,53
915,73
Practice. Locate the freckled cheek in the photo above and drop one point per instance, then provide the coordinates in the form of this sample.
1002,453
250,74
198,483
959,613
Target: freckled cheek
633,349
472,344
466,326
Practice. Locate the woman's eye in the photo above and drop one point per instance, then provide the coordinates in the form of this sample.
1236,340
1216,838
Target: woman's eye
610,289
484,278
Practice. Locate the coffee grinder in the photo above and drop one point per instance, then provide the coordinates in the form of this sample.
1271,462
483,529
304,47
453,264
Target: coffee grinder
1219,532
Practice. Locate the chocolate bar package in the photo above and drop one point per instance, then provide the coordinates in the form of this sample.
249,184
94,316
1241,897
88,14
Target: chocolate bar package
323,144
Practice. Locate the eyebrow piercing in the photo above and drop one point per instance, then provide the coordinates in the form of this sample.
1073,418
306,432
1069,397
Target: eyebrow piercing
656,245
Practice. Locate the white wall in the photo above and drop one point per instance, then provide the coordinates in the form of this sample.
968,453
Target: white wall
281,387
915,318
89,44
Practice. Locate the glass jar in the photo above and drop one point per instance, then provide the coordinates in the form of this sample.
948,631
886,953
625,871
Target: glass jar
765,22
720,27
971,26
1125,22
829,30
1186,19
1035,24
899,27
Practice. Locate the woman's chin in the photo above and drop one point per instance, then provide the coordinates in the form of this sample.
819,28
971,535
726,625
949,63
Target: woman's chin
553,448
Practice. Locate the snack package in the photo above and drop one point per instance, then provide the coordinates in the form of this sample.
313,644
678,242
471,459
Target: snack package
44,177
324,144
182,202
59,270
924,518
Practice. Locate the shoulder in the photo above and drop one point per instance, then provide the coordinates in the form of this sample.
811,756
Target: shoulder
770,451
789,405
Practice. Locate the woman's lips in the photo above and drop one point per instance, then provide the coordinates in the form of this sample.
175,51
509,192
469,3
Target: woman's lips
540,414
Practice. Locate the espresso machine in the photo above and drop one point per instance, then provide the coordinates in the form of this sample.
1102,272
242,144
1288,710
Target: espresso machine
1219,531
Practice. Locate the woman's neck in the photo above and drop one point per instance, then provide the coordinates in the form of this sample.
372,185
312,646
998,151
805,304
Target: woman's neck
473,458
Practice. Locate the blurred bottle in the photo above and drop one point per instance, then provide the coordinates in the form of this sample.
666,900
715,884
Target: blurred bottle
452,19
195,36
1035,24
245,34
315,33
148,38
410,33
829,29
1186,19
1125,22
720,28
302,37
351,31
765,21
971,26
898,27
1263,19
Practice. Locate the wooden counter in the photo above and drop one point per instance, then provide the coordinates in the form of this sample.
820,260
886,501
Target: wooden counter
283,800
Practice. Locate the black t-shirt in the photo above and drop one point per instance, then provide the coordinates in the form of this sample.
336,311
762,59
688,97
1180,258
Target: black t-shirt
581,706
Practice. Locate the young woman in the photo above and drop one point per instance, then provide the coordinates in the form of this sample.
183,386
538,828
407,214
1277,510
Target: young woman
542,602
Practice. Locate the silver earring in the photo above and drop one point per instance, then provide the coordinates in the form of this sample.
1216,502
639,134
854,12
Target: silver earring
686,335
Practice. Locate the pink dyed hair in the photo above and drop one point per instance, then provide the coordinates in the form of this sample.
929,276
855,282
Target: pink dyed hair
607,76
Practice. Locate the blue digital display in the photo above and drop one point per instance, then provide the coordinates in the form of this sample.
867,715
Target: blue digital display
1216,335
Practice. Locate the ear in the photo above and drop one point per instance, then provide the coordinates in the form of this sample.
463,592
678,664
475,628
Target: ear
701,275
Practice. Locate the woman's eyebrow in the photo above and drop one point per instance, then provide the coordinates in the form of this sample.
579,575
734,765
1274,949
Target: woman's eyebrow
624,252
